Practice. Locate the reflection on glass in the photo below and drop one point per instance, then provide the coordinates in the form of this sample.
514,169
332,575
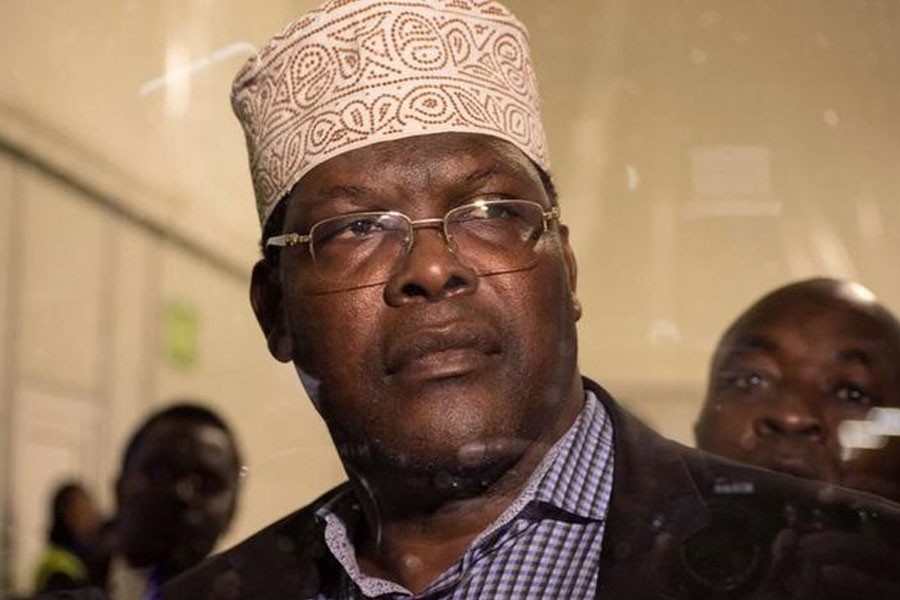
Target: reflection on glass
705,153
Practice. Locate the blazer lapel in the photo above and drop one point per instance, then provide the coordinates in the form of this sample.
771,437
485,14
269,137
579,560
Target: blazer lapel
655,504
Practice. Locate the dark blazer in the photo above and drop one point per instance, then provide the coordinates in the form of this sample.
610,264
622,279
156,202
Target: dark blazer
681,524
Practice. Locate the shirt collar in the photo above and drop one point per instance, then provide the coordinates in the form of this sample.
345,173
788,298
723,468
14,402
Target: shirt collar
582,461
567,479
561,479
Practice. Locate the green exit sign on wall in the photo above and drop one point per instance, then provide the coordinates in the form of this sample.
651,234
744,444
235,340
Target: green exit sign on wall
180,325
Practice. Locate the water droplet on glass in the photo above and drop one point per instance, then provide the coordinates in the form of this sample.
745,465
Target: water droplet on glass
698,56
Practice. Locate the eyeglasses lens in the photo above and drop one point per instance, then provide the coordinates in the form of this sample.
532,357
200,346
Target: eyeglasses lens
367,248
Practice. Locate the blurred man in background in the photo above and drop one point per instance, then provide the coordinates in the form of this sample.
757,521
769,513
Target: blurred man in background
176,495
791,369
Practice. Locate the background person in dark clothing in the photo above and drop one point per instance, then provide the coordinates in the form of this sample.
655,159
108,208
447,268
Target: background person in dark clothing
69,560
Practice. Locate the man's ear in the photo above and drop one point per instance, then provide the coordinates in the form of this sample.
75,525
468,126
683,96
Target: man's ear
571,268
267,299
232,509
119,490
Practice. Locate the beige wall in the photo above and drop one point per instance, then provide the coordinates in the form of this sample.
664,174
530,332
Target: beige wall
6,332
705,150
84,354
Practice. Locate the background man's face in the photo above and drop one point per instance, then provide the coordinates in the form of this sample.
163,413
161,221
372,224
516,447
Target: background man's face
81,515
439,368
177,495
784,380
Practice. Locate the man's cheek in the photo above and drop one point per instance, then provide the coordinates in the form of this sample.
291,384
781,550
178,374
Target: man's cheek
220,514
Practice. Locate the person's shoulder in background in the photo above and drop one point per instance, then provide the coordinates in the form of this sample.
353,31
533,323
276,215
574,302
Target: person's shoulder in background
283,560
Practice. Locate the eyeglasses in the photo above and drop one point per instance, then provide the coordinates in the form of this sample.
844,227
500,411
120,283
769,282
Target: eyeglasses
489,236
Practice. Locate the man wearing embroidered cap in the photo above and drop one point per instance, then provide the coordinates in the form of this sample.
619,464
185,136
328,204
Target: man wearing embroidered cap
418,277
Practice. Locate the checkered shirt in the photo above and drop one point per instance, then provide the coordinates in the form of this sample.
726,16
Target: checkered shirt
546,545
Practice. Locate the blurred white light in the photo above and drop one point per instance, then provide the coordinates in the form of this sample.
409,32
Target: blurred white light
857,292
179,68
885,421
632,177
178,82
868,216
709,18
831,251
854,434
732,208
664,331
731,181
698,56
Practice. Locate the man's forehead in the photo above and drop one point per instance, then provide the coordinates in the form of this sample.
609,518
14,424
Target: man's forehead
180,434
445,158
787,340
825,316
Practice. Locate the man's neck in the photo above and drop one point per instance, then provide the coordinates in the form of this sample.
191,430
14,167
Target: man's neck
124,581
412,543
414,551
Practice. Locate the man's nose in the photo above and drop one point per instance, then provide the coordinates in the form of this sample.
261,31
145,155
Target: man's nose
791,414
430,271
187,488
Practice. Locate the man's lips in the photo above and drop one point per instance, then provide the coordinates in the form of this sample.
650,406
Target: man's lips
439,352
795,459
796,466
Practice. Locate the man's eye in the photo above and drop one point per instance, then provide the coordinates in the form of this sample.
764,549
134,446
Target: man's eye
748,381
486,210
156,473
208,484
501,211
361,227
853,394
352,228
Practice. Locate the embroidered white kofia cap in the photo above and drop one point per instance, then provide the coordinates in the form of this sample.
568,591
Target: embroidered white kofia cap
357,72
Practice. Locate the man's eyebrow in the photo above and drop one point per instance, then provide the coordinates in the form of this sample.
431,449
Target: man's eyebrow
489,171
744,346
342,191
857,356
751,343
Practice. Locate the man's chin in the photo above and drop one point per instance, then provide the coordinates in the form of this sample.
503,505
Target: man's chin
185,557
172,557
796,466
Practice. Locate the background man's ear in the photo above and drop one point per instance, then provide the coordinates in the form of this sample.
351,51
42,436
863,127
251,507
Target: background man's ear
119,489
267,300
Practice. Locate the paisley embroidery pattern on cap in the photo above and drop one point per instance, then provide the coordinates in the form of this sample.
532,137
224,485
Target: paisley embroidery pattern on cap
358,72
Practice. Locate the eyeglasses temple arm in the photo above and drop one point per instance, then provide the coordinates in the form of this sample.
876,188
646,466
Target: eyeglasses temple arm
287,239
